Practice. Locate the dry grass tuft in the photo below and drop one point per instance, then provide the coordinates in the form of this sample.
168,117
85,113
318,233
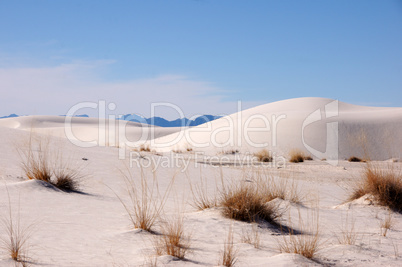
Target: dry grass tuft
146,202
296,156
308,158
230,152
202,199
251,236
306,244
387,224
145,148
36,162
16,242
355,159
40,162
229,254
283,188
66,183
263,156
244,202
385,185
66,177
348,232
250,200
173,241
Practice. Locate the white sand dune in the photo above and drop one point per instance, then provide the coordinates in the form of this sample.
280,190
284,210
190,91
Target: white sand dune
92,228
87,129
278,127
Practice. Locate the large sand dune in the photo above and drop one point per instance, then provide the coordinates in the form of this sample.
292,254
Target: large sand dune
373,131
279,127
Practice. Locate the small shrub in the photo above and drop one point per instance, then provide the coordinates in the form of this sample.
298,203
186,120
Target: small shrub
263,156
296,156
385,185
173,241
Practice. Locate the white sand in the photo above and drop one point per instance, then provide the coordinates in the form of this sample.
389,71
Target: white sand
379,126
93,229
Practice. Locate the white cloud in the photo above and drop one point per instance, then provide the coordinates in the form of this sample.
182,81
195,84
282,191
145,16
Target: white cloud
53,90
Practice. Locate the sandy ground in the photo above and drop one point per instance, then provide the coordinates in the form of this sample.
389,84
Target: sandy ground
92,228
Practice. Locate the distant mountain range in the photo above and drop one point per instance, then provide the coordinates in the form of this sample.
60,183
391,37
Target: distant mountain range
9,116
157,121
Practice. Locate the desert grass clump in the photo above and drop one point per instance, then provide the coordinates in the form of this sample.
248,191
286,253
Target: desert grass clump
202,197
296,156
40,162
66,183
145,148
251,236
173,240
355,159
283,188
348,232
36,162
228,257
263,155
384,185
386,224
244,202
305,243
230,152
16,241
65,176
145,203
307,157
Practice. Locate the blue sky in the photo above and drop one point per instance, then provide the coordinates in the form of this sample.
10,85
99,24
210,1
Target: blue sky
200,55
